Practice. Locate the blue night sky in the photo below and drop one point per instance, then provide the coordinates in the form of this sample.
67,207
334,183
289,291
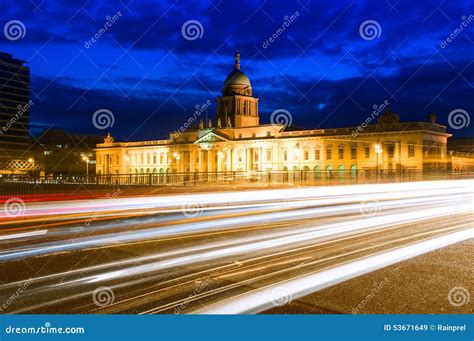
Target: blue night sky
320,68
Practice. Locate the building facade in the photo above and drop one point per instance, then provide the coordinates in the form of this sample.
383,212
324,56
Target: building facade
236,141
15,106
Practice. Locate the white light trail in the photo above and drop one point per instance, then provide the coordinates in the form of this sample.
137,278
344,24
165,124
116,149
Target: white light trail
261,299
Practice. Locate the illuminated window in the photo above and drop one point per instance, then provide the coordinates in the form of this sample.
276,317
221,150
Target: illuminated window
154,158
306,155
269,133
317,154
367,152
329,153
240,136
256,156
411,150
353,152
341,152
285,155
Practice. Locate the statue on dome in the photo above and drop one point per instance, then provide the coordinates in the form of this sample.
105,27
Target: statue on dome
229,122
219,124
201,124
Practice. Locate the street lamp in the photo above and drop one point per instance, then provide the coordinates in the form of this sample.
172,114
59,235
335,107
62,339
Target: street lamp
378,151
86,160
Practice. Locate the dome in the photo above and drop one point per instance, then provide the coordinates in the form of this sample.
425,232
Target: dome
236,82
237,77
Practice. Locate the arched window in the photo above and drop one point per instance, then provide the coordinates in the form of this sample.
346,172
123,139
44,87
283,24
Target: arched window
317,172
154,158
341,170
354,170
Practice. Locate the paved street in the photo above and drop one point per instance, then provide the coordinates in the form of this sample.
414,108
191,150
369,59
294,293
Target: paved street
228,252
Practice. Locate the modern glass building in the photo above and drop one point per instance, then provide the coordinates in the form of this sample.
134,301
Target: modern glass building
15,107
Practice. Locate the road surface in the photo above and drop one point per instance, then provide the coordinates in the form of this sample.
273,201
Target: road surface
226,253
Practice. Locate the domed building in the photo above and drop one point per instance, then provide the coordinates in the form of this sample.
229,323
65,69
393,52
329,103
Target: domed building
235,141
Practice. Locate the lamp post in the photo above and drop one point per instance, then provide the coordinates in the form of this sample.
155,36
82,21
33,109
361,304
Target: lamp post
378,151
86,160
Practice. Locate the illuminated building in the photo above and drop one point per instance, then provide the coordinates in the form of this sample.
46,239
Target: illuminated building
236,141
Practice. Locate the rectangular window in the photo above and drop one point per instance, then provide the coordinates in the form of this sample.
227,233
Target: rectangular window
329,153
269,155
411,150
285,155
367,152
353,153
341,153
391,150
317,154
269,134
306,155
254,135
256,156
240,136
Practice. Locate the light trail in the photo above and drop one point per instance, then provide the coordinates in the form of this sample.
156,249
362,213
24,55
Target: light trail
262,299
148,251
